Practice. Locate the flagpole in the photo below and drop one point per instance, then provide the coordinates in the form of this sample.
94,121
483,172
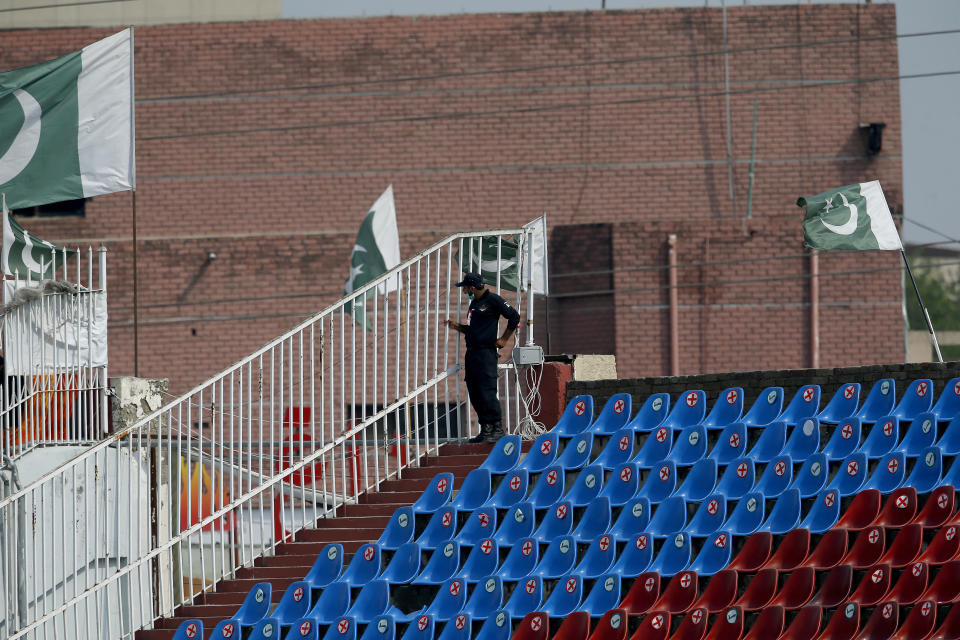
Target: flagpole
136,306
926,315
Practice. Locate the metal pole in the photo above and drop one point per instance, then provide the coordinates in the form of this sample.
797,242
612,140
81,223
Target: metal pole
926,315
136,307
674,305
814,310
529,239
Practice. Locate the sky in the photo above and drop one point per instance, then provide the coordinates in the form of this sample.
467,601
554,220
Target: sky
930,106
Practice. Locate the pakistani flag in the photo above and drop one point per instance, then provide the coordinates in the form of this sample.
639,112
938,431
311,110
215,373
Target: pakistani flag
66,126
480,256
852,217
23,253
376,251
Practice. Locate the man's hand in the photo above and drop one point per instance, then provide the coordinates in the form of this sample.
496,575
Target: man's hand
453,325
501,343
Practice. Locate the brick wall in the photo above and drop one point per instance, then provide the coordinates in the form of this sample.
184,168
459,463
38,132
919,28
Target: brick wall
264,142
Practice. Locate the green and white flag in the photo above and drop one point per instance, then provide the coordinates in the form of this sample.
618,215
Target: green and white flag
480,256
376,251
22,253
852,217
66,125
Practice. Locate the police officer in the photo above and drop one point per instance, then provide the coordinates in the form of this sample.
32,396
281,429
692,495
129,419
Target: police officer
480,362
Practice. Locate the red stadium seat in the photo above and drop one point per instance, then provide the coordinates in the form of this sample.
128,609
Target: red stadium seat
910,585
882,622
760,591
836,587
919,623
950,627
946,586
806,626
791,552
576,626
867,549
862,511
534,626
944,547
755,551
655,626
679,595
899,509
769,624
905,547
719,593
873,586
612,626
829,551
644,592
797,590
844,623
693,626
938,509
727,626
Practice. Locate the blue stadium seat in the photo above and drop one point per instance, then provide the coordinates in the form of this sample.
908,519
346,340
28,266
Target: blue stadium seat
614,416
737,479
577,417
674,555
595,520
383,628
372,601
542,453
436,495
511,490
441,527
265,629
922,433
660,484
399,530
457,628
880,401
559,559
947,406
747,516
731,444
305,628
480,525
700,481
766,408
294,603
576,452
882,438
598,558
714,555
344,628
549,487
618,449
482,560
444,563
526,597
926,473
844,440
804,440
655,448
727,408
327,567
189,630
622,484
917,399
633,519
504,456
709,517
517,524
652,414
768,446
255,606
332,603
669,517
785,514
952,476
889,474
690,446
812,477
565,597
851,476
804,404
824,513
486,598
405,563
603,596
586,487
420,628
636,556
842,405
449,601
690,409
777,476
950,440
495,627
521,560
558,521
225,629
474,491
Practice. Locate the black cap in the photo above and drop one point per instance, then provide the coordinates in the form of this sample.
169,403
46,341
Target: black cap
471,280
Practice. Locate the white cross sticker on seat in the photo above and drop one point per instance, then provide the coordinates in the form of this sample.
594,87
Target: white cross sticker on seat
486,546
887,610
422,623
876,576
685,580
922,389
828,499
926,608
535,623
657,621
454,587
661,434
305,628
343,626
942,501
580,407
527,548
902,501
780,468
664,473
460,621
691,399
531,586
515,483
625,474
849,391
624,443
846,431
445,520
604,543
888,428
735,440
441,485
642,541
742,470
712,507
484,519
368,553
852,467
731,396
298,594
571,585
917,569
191,630
808,394
561,511
552,477
545,447
873,536
721,540
618,406
696,616
893,465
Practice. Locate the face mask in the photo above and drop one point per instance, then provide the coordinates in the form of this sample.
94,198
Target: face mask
470,295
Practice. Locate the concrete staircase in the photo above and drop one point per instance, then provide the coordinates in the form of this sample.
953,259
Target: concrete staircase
357,525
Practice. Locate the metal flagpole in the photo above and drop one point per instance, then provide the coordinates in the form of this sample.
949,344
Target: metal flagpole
923,308
136,306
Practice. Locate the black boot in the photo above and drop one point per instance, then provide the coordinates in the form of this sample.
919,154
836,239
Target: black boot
483,436
495,433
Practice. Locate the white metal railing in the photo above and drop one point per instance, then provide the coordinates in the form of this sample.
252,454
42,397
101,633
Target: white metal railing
53,382
218,477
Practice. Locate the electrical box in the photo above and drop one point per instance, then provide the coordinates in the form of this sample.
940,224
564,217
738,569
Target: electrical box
528,355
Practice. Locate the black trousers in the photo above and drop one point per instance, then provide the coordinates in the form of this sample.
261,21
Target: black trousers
480,366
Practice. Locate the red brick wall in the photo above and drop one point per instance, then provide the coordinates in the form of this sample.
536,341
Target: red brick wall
281,203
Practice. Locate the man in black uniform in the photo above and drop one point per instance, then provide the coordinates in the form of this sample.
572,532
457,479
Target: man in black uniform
480,362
